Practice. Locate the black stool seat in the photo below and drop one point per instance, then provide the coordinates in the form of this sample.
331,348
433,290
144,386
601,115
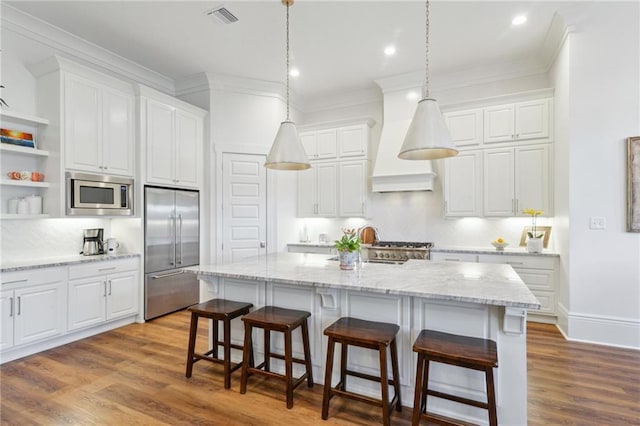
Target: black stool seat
366,334
462,351
216,310
273,318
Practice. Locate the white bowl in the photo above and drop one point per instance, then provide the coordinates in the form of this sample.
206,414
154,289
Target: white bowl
499,246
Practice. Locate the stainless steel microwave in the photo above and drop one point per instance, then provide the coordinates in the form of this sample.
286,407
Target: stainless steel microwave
98,195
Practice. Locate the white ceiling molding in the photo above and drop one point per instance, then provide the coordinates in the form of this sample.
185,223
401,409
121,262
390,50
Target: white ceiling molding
343,99
556,36
499,100
369,121
93,55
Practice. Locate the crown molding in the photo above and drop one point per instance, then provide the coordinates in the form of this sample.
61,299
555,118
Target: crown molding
342,99
71,45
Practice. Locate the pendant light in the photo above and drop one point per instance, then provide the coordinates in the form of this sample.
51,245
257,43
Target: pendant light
428,137
287,152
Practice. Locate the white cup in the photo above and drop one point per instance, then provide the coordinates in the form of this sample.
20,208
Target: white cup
23,206
12,206
35,204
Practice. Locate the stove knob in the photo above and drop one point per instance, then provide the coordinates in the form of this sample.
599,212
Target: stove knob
393,256
386,255
375,255
419,256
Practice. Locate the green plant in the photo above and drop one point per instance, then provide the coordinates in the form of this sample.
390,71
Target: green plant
534,214
350,241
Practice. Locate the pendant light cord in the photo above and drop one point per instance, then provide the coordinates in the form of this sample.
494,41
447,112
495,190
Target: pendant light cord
288,62
425,88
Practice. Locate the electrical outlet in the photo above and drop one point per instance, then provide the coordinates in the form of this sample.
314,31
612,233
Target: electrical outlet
597,222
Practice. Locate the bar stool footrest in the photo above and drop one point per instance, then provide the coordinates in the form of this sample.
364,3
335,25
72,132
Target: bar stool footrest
367,377
459,399
444,420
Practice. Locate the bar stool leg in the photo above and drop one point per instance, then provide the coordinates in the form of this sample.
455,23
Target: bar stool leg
267,350
248,349
417,396
307,353
326,395
192,343
227,353
288,367
216,338
343,365
396,374
386,415
491,397
425,385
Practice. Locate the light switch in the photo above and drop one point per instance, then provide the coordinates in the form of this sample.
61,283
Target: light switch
597,222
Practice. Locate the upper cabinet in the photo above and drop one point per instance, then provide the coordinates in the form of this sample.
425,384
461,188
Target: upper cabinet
465,127
317,188
321,144
517,121
463,184
98,127
173,140
337,142
353,141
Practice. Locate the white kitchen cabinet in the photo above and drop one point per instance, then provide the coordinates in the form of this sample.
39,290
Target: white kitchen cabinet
453,257
465,127
352,188
33,306
174,143
317,190
102,291
538,273
518,121
320,144
516,179
463,184
353,141
98,127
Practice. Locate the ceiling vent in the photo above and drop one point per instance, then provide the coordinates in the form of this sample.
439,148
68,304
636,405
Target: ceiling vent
222,14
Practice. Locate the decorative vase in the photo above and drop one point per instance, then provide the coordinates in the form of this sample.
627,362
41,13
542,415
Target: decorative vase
534,245
348,259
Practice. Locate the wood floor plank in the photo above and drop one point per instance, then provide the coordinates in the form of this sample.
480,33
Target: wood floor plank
135,375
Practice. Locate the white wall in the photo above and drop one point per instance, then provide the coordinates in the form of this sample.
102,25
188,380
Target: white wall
604,286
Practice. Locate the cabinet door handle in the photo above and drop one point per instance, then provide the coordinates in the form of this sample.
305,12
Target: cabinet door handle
105,289
11,306
109,287
517,206
515,263
19,305
107,269
452,260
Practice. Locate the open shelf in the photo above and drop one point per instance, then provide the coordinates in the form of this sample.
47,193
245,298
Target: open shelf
18,117
26,183
23,150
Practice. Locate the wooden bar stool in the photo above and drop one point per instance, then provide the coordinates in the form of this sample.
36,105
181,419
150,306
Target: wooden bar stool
365,334
216,310
272,318
461,351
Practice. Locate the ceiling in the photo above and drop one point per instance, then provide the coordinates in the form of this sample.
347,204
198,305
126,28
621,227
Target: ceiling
338,46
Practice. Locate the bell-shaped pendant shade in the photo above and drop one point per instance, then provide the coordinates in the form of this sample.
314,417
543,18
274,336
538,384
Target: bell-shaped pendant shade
287,152
428,137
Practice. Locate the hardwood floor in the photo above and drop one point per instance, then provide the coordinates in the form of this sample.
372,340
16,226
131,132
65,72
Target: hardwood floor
135,376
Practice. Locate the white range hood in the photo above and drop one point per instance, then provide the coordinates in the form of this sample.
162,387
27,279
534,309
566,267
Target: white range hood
391,174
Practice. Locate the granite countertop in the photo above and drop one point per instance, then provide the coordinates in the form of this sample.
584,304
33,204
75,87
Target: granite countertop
50,262
517,251
489,284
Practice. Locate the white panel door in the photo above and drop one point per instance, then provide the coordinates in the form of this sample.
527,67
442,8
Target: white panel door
87,302
499,123
39,312
532,119
188,149
353,188
118,133
465,127
160,143
498,194
244,211
122,290
463,184
326,143
353,141
307,192
309,144
326,180
82,124
532,178
7,314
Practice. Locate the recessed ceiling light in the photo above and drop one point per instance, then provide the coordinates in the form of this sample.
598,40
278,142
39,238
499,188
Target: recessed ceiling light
412,96
389,50
295,72
519,20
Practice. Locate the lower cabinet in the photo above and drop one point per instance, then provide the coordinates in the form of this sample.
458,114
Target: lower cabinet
42,308
32,306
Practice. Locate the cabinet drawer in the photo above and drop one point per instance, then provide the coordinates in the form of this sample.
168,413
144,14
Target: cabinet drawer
454,257
30,277
102,268
547,302
537,262
537,279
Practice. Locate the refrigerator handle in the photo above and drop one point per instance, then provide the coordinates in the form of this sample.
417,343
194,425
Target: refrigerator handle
180,238
173,239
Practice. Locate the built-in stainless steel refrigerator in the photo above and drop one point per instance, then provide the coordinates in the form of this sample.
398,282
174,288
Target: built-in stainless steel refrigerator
172,241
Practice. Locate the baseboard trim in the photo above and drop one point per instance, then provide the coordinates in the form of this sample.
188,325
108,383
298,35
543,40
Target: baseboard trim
603,330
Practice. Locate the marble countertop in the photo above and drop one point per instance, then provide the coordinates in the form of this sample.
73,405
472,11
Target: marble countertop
518,251
50,262
489,284
312,244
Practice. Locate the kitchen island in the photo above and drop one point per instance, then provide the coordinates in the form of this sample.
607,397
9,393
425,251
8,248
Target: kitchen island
473,299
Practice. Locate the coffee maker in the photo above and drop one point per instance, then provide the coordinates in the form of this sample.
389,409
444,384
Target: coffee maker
93,241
